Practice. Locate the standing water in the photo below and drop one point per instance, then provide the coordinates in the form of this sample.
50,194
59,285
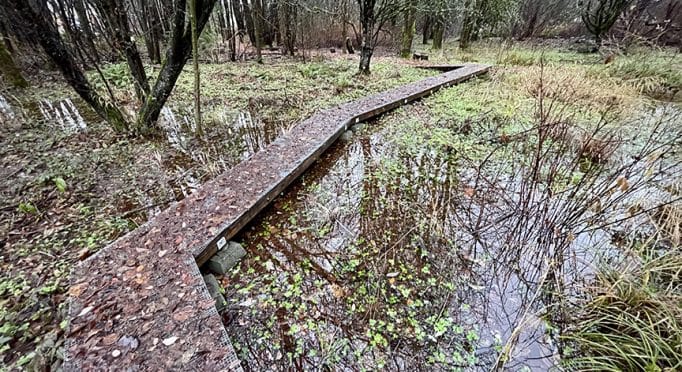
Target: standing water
411,249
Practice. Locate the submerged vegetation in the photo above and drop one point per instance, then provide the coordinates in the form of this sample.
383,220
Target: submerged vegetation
476,230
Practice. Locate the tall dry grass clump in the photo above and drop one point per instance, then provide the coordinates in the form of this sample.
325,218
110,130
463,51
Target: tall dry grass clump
575,86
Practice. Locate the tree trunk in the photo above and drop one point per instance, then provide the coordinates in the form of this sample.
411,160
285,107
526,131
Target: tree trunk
9,70
152,28
257,15
438,30
344,24
287,26
269,22
84,23
238,18
367,21
468,25
408,28
115,14
42,30
365,59
230,34
176,57
197,74
248,20
427,30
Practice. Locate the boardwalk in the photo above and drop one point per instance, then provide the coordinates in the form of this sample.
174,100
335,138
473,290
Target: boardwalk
141,302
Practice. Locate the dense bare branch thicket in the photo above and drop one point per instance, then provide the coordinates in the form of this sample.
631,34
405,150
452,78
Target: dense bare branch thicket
649,21
534,16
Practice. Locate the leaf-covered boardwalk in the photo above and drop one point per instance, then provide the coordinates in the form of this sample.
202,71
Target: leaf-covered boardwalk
141,303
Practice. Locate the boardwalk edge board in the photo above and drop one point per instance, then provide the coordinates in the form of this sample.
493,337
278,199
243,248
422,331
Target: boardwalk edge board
141,303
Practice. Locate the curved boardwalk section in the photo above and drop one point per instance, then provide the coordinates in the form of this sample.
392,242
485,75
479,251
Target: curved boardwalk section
141,303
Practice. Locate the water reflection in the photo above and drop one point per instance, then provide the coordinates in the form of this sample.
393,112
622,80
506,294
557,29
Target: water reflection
418,260
6,111
63,113
230,136
371,256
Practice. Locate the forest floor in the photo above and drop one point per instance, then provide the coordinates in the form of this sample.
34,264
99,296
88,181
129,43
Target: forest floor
71,185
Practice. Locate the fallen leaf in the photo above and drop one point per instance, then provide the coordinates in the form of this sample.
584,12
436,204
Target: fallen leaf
337,291
182,314
77,289
85,311
110,339
83,254
169,341
623,184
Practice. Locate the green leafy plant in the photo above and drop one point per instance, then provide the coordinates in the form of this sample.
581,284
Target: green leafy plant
27,208
60,184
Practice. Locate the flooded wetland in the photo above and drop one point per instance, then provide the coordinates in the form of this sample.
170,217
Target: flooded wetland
463,232
492,225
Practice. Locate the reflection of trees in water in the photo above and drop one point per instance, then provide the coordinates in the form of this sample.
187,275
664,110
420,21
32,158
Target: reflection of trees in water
252,133
495,235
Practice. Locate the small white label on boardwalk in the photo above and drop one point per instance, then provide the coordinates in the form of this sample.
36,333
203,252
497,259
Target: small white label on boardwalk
221,243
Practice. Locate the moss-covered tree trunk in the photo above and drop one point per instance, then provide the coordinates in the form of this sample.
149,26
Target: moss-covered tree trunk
10,70
468,24
409,22
367,21
599,16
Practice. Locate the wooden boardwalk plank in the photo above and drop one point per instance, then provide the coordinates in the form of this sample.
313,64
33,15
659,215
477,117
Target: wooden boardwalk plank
146,286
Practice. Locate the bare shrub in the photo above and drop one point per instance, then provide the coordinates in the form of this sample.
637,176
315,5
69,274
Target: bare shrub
552,185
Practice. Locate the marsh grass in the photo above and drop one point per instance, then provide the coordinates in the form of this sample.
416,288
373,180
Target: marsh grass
633,320
658,76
